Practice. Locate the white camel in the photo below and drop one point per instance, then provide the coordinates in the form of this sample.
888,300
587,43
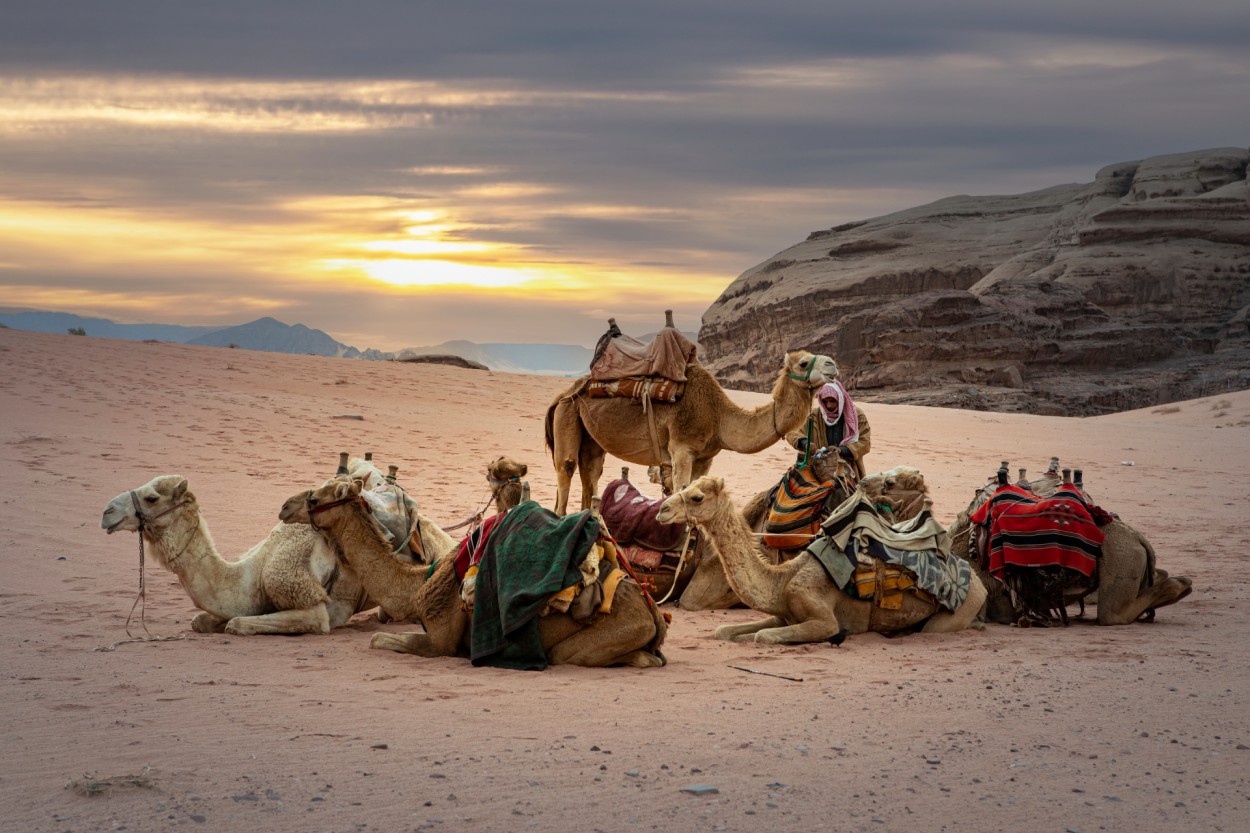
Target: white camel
291,582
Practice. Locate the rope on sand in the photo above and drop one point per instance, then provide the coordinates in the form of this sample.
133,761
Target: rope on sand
113,646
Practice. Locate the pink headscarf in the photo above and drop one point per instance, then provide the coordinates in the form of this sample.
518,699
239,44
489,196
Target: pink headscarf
834,390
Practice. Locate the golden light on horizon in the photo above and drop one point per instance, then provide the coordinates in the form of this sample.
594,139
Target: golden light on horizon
421,272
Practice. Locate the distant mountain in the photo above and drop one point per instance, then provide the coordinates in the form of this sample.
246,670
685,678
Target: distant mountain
531,359
273,336
40,321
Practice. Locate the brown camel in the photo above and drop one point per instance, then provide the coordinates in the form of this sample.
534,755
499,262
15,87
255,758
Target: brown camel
900,491
683,435
802,602
1129,586
630,634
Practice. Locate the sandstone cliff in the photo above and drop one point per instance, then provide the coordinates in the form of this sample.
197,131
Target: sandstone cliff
1125,292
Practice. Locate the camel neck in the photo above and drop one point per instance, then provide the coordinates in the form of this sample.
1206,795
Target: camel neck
359,542
756,581
750,431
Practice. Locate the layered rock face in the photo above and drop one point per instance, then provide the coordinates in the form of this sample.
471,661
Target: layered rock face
1125,292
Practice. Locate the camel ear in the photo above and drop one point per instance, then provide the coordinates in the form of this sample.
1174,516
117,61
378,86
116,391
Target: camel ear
720,484
342,489
524,470
180,488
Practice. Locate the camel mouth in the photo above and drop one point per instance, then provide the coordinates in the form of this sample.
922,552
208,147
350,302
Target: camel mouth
111,528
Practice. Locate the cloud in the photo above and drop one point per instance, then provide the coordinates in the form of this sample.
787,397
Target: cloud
527,166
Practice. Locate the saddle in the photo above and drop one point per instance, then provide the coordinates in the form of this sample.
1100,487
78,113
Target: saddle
1030,531
650,547
800,504
618,356
1040,547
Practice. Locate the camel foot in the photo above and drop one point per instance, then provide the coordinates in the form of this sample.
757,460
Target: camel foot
839,637
205,622
405,643
642,659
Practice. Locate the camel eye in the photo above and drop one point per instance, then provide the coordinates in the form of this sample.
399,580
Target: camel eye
804,363
151,499
696,499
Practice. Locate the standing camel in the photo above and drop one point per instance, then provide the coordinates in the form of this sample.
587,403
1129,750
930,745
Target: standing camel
684,435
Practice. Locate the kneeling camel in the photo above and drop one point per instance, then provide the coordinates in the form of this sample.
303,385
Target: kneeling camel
803,604
622,637
291,582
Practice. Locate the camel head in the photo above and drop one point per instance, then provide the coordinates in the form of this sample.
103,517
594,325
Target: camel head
902,489
695,504
153,504
299,508
828,465
504,476
812,370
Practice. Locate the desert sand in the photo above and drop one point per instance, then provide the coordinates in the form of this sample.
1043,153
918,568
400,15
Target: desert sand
1138,728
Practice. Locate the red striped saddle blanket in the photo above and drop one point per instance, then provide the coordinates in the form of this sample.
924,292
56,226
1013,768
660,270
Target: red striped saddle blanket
1028,531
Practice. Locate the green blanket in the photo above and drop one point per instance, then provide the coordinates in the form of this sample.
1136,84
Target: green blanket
531,554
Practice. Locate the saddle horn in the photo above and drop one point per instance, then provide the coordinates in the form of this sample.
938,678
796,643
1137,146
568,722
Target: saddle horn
342,469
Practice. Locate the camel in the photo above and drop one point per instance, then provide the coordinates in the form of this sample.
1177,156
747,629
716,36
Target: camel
291,582
630,634
900,491
1128,585
682,436
802,603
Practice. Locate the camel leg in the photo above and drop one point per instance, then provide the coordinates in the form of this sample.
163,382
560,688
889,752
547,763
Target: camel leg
566,439
588,649
405,643
1114,610
590,457
816,623
442,637
205,622
945,621
620,638
338,611
307,620
732,632
1127,558
683,468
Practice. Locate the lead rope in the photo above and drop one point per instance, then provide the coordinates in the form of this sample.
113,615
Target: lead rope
142,595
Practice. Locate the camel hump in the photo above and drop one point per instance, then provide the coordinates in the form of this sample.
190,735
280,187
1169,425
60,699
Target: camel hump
666,356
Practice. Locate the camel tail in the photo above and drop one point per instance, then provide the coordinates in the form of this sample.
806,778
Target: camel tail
1148,579
549,434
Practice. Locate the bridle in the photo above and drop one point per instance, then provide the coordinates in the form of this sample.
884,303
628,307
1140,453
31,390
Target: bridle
315,508
145,521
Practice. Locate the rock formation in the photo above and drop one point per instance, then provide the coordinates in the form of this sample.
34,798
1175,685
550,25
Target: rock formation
1079,299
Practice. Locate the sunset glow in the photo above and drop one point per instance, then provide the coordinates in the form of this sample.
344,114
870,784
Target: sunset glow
356,170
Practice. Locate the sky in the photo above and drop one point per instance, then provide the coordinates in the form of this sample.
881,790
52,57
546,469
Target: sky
405,173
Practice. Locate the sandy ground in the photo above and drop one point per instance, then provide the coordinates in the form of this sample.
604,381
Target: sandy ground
1139,728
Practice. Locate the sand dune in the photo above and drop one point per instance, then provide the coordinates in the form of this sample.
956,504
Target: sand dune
1143,728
